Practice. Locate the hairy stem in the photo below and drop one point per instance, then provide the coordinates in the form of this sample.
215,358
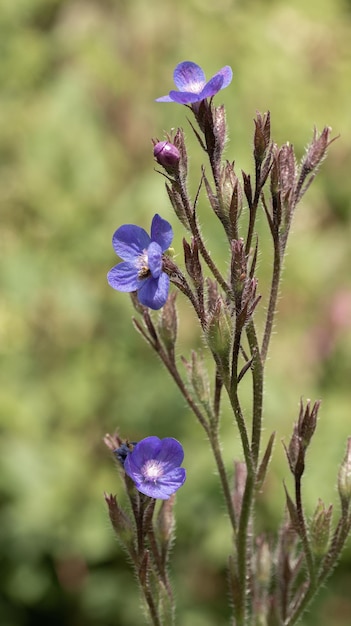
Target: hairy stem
276,274
303,531
244,548
216,449
257,369
190,213
253,208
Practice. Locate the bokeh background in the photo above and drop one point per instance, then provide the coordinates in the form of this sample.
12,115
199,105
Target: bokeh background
78,79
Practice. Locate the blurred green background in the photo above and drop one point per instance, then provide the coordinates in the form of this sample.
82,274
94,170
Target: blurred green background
78,80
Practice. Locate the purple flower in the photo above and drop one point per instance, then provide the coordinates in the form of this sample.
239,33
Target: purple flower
153,465
191,82
141,269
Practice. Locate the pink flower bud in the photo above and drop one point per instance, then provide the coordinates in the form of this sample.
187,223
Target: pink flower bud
166,154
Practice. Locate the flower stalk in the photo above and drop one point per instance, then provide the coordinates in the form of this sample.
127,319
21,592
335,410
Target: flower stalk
272,581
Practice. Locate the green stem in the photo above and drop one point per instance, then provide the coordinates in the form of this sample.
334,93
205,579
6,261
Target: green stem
217,396
278,255
234,398
242,548
303,531
240,421
172,368
216,449
197,236
253,208
159,564
257,382
155,620
340,536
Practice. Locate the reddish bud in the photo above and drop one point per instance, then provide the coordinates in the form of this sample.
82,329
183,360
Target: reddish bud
167,155
301,437
120,521
344,478
316,151
262,135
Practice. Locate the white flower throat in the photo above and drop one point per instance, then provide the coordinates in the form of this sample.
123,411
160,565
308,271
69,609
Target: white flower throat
152,470
143,265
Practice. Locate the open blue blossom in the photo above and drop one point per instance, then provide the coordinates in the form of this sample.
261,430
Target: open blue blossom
154,466
191,82
141,269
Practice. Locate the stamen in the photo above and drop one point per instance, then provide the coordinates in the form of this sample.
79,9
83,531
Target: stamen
152,470
142,262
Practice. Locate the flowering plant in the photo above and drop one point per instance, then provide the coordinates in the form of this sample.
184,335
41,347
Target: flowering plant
271,580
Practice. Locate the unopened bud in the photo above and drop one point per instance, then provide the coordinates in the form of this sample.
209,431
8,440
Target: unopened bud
229,185
301,437
192,262
120,521
239,269
165,522
344,478
219,332
212,295
177,203
308,421
262,135
198,379
112,441
287,168
168,323
167,155
263,561
320,529
315,153
317,149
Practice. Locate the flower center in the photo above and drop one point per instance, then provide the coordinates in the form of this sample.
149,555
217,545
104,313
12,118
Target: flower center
152,470
196,86
143,265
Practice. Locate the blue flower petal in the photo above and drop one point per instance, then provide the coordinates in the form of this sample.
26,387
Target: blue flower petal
184,97
227,74
154,256
154,291
164,487
148,448
164,99
129,241
189,76
171,452
124,277
161,232
213,86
